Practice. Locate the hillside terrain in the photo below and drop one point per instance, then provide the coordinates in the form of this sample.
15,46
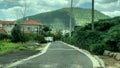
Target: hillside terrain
59,19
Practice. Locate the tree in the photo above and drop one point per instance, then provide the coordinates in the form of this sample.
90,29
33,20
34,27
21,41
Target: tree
46,31
17,35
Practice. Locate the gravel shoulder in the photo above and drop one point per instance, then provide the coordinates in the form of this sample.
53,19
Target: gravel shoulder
110,62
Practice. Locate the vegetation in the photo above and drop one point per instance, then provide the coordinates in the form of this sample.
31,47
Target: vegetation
4,36
7,47
61,17
106,36
17,34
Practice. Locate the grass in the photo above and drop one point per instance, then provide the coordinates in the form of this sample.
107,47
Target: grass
8,47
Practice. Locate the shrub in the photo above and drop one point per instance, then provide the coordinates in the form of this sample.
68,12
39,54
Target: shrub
113,38
17,34
58,35
84,39
4,36
98,48
40,38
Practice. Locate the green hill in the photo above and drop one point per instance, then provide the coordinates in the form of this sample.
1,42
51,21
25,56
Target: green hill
59,19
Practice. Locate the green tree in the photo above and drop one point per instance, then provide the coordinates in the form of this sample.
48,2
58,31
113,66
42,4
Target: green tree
17,34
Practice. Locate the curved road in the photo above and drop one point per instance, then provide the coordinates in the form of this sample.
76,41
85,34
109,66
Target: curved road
58,55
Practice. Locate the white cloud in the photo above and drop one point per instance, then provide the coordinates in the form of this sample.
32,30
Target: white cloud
108,7
112,14
105,1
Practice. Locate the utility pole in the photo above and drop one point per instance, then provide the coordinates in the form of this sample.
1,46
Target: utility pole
70,25
93,15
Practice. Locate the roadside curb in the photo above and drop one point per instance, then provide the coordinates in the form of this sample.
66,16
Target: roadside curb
97,62
31,57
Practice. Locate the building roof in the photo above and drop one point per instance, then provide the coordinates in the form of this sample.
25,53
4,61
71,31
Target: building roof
31,22
7,22
2,31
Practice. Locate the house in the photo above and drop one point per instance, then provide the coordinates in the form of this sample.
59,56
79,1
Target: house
28,26
2,31
6,26
32,26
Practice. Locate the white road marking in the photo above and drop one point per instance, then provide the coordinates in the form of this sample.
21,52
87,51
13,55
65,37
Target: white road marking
31,57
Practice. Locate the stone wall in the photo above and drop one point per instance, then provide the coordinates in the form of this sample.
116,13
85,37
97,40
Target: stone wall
115,55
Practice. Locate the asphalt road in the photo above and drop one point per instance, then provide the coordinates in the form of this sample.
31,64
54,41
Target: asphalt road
58,55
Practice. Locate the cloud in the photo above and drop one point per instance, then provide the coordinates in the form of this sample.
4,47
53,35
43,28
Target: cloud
33,6
108,7
12,8
112,14
105,1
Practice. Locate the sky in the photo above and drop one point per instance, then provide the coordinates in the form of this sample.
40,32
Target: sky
15,9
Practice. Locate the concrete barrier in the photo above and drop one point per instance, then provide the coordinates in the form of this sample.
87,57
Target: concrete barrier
106,53
111,54
115,55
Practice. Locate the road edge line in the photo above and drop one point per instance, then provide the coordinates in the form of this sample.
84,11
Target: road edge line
95,62
31,57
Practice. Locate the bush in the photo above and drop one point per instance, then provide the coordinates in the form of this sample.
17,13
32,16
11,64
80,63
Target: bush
58,35
105,36
4,36
29,36
40,38
113,38
98,48
17,34
84,39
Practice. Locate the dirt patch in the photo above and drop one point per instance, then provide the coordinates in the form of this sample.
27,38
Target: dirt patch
110,62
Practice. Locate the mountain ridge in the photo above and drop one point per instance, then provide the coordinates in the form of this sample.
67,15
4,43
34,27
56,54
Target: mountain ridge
61,17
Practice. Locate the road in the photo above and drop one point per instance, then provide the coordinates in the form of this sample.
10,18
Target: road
58,55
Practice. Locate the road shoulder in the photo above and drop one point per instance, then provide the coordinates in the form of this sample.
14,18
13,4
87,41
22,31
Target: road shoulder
27,58
97,62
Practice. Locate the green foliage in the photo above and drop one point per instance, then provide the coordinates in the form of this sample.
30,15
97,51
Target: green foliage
61,17
84,39
113,38
40,38
4,36
105,37
58,36
17,34
46,29
8,47
98,48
